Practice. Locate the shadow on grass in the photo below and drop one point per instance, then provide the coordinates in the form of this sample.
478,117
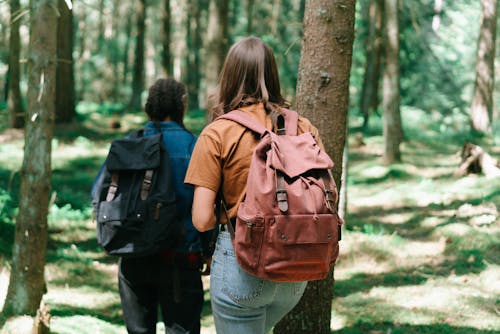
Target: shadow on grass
364,328
461,263
412,227
112,314
74,181
6,239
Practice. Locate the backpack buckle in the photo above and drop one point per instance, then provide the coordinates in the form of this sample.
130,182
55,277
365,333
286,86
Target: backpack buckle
329,201
282,198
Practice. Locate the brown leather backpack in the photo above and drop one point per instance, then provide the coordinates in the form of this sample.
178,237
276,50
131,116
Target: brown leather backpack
287,229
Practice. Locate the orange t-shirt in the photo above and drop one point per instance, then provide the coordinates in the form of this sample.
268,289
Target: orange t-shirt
223,153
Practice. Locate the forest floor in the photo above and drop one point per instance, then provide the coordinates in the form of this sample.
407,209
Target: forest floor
420,250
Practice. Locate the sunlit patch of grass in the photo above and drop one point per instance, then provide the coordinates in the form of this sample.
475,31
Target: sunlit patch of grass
83,324
433,301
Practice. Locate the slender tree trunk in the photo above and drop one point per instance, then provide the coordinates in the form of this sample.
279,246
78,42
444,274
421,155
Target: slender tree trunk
323,97
27,283
392,127
14,100
482,101
65,78
166,57
275,12
249,10
436,19
217,42
126,51
138,72
100,27
369,92
193,59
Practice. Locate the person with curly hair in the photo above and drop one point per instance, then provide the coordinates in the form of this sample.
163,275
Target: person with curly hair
170,280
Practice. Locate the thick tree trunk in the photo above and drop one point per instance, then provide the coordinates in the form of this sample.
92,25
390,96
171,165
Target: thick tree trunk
217,42
369,92
392,128
65,78
166,57
138,72
323,97
27,283
14,100
482,101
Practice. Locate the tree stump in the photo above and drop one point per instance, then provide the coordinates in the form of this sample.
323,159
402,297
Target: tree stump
476,161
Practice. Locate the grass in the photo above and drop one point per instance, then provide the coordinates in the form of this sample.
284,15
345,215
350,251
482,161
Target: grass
420,252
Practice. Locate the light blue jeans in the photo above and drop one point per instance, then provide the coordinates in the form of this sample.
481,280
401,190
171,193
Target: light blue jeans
243,303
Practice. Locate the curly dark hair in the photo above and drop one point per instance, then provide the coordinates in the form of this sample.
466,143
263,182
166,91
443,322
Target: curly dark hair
166,98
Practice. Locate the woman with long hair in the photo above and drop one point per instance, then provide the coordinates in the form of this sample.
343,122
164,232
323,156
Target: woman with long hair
241,302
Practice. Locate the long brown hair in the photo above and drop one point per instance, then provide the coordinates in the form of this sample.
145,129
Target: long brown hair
249,75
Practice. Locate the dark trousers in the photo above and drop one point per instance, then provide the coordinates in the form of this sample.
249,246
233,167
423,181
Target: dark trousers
148,283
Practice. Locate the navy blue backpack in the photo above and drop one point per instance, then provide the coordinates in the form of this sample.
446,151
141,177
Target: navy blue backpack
134,199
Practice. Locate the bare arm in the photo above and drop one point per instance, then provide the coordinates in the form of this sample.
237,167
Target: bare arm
203,208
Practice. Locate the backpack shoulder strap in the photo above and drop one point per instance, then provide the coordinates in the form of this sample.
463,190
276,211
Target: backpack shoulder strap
291,122
242,118
245,120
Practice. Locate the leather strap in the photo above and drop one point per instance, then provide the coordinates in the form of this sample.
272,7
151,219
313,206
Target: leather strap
146,184
281,195
113,187
242,118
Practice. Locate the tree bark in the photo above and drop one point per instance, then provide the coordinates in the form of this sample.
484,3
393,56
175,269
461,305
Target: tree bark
27,283
65,78
371,79
166,57
249,12
193,59
138,72
126,51
14,100
392,128
217,42
323,97
482,101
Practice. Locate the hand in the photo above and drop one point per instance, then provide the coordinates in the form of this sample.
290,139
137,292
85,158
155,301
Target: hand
207,262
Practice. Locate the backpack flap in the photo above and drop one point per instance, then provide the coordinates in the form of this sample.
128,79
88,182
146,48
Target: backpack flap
134,153
286,149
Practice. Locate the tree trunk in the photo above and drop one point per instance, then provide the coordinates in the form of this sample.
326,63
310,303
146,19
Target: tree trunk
249,10
482,101
193,59
14,99
65,78
436,19
323,97
217,43
27,284
100,28
138,72
166,57
369,92
126,51
392,129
